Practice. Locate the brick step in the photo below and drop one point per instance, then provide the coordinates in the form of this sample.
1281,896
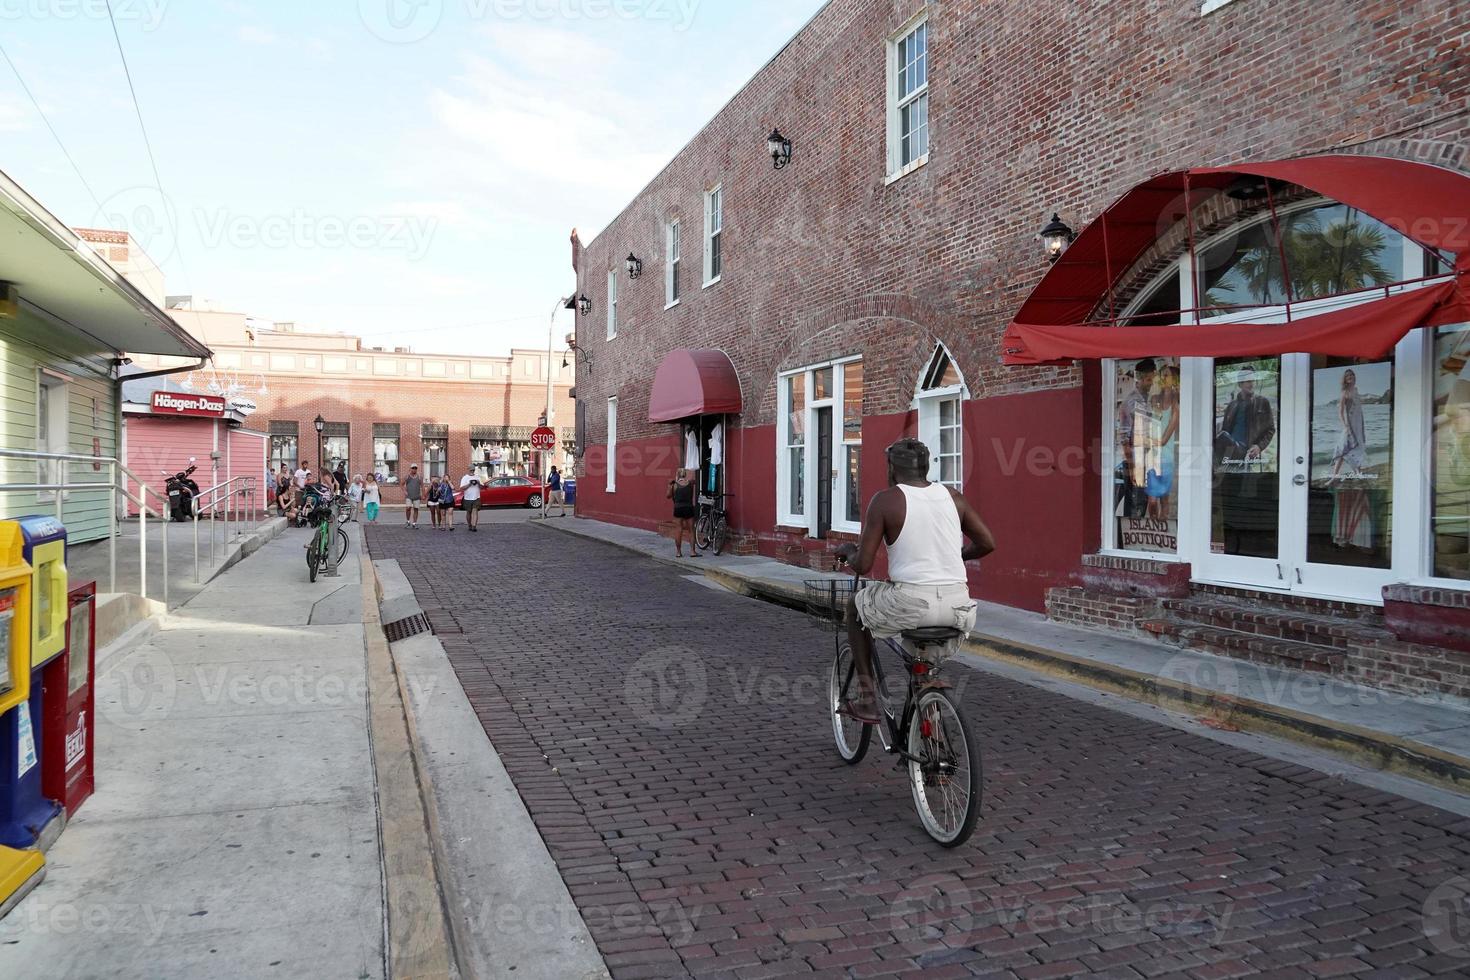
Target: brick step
1285,601
1278,622
1253,647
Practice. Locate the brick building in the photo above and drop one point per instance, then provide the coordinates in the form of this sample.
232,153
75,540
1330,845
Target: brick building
385,409
868,288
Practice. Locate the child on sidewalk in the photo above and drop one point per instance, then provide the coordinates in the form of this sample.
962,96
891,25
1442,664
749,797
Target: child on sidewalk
431,501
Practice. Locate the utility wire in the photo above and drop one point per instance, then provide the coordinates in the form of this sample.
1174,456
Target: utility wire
147,143
50,128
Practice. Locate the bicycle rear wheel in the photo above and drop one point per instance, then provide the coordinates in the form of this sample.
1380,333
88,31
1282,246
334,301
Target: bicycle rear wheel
717,540
313,558
852,736
944,769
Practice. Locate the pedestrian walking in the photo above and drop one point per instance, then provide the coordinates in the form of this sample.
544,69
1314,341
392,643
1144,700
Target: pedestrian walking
298,482
554,492
681,492
431,501
470,484
355,494
372,498
340,477
413,492
446,503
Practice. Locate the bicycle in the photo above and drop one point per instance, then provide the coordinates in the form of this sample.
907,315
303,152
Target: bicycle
712,527
929,734
322,539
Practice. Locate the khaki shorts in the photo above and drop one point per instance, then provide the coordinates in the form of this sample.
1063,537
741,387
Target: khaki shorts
559,497
889,608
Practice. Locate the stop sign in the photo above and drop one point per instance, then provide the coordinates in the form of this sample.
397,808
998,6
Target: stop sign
543,439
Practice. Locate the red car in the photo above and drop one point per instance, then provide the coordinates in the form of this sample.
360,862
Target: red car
505,491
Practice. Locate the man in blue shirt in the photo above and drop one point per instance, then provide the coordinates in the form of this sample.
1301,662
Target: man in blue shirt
554,492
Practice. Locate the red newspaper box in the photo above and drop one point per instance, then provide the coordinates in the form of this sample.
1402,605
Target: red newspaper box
70,704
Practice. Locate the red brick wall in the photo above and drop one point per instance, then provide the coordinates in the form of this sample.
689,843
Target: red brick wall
411,404
1060,105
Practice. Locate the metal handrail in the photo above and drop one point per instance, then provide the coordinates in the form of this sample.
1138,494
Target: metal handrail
233,499
233,493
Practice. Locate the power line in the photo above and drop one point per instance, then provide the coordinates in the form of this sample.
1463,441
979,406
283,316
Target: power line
147,143
52,129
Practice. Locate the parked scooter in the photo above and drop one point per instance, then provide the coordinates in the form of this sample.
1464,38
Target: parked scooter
181,493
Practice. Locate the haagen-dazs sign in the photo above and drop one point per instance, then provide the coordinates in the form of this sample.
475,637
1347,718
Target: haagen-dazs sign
173,403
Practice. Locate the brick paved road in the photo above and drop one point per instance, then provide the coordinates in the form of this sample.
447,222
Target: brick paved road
676,757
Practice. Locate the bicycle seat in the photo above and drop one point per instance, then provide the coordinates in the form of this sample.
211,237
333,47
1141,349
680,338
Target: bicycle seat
928,636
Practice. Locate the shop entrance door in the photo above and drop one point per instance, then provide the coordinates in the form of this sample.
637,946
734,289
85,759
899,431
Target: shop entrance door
1302,470
825,476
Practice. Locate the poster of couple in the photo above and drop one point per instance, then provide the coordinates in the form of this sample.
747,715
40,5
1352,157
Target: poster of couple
1146,447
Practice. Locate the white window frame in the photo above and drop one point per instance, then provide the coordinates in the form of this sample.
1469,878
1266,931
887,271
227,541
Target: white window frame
612,444
896,103
612,304
673,249
714,227
841,521
57,437
928,402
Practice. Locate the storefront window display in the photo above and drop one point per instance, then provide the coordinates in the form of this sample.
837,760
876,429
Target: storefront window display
1350,504
1450,495
1245,504
1146,450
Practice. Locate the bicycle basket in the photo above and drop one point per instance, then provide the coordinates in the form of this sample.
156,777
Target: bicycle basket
826,601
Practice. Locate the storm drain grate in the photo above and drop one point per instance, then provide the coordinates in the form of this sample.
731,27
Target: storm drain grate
402,629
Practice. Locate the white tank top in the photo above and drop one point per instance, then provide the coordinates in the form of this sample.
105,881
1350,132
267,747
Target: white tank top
927,550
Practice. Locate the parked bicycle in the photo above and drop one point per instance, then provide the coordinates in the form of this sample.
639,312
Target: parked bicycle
712,526
929,734
323,539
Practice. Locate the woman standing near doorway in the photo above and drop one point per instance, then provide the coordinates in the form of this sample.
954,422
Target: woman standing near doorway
681,492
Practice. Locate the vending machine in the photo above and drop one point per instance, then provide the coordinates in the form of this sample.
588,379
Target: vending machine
67,744
20,870
26,815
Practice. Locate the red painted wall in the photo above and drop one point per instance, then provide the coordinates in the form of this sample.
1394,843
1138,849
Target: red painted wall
1030,470
158,447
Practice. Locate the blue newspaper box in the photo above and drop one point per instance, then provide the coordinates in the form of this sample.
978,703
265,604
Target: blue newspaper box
25,813
570,487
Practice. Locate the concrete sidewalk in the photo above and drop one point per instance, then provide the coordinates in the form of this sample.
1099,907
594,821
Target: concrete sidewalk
1427,738
236,826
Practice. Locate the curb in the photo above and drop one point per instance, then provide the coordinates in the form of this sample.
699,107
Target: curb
419,937
1379,750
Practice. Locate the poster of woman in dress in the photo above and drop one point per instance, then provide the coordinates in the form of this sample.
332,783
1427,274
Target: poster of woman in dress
1450,520
1352,451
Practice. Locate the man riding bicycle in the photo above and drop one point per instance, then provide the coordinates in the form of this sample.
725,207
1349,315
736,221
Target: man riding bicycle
924,526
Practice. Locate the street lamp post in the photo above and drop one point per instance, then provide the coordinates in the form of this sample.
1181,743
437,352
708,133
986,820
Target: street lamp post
565,303
321,426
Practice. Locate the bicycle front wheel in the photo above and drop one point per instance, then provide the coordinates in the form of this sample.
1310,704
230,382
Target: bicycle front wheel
944,769
852,736
704,531
722,531
313,559
342,544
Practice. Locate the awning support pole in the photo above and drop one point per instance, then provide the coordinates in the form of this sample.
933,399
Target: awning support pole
1108,269
1193,258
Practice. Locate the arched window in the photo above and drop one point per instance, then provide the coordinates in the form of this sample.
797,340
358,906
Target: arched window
941,392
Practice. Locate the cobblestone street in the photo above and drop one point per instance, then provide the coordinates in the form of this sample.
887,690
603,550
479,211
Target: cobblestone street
671,742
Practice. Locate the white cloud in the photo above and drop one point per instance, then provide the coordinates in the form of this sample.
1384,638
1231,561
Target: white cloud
251,34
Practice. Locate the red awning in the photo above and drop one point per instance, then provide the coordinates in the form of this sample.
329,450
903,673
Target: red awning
1427,204
694,382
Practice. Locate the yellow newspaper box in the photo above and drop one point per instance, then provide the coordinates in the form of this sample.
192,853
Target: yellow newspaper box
20,870
43,546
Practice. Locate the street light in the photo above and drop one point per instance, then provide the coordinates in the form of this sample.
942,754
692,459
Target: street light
1055,237
584,305
321,426
779,147
635,266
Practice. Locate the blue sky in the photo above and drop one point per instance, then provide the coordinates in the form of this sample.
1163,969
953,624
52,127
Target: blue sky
409,170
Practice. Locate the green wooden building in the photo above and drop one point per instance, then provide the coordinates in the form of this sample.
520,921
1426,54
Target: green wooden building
67,323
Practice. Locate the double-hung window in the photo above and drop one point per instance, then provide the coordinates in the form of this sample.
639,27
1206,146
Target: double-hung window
671,263
612,304
612,445
908,98
714,224
939,399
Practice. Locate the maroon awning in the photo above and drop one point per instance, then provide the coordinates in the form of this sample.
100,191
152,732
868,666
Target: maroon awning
1427,204
694,382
